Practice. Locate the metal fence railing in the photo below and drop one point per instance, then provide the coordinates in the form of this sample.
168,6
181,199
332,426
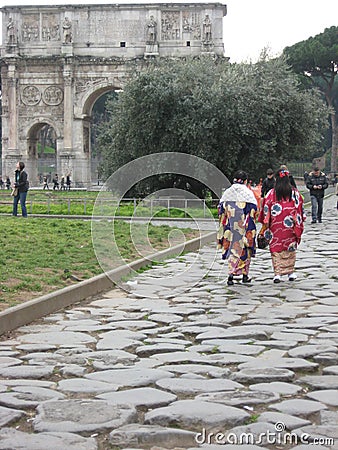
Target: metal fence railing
103,206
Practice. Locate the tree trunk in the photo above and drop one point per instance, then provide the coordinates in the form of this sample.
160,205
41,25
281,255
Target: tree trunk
334,143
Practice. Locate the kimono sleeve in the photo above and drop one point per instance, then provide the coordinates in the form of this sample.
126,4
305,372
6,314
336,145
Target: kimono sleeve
265,212
300,215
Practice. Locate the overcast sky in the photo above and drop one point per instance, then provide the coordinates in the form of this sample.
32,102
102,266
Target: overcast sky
252,25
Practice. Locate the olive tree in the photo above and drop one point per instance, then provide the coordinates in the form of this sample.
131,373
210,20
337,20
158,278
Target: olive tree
246,116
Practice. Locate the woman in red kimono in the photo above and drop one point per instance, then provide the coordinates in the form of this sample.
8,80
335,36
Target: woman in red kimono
282,216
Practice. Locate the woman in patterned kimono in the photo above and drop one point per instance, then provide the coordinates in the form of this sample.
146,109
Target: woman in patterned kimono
282,216
237,210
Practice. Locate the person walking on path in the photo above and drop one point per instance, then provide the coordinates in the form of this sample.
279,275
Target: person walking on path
62,184
45,183
56,185
317,182
22,185
283,218
68,182
237,211
268,182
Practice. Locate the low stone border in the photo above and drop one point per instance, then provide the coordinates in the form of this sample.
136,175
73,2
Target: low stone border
27,312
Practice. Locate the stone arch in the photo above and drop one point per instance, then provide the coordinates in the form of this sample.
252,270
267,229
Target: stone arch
30,133
47,78
85,110
37,123
93,94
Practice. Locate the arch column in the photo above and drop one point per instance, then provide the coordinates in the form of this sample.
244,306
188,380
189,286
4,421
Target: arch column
75,145
66,153
68,108
12,154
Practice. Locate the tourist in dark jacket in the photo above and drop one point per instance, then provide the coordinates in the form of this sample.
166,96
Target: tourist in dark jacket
22,185
268,183
317,182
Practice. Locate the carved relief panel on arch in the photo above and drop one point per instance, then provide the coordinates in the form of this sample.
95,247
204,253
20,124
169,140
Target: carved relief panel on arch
191,25
52,95
30,30
170,24
31,95
50,28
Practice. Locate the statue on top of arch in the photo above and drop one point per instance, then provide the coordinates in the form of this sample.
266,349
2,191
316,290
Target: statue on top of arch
11,32
67,31
151,31
207,29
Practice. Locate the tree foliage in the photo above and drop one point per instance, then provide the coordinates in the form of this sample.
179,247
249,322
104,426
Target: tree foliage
247,116
316,59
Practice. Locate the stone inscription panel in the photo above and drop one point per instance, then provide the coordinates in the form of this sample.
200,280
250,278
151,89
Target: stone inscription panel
109,26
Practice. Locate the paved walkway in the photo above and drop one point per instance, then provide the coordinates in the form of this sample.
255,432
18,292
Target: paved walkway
183,361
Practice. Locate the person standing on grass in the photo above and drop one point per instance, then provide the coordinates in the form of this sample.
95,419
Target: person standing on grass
282,217
22,185
236,237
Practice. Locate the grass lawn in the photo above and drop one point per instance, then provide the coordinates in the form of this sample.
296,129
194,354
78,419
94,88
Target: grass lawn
82,203
41,255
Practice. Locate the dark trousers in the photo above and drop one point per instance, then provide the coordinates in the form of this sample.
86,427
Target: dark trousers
22,198
316,207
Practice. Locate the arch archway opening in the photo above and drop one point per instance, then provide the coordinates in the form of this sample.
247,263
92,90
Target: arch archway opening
96,113
42,152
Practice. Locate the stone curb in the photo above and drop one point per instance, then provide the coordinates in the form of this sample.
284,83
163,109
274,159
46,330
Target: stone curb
27,312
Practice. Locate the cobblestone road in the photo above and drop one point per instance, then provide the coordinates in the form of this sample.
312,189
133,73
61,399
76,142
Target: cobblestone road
183,361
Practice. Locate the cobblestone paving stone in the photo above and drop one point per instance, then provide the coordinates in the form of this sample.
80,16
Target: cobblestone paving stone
182,361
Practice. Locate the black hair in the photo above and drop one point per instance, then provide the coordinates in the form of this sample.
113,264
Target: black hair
21,165
283,186
240,176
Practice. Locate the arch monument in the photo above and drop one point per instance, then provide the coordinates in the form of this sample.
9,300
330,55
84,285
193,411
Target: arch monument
56,61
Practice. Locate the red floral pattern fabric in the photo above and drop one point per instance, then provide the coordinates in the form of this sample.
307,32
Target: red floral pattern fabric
284,219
